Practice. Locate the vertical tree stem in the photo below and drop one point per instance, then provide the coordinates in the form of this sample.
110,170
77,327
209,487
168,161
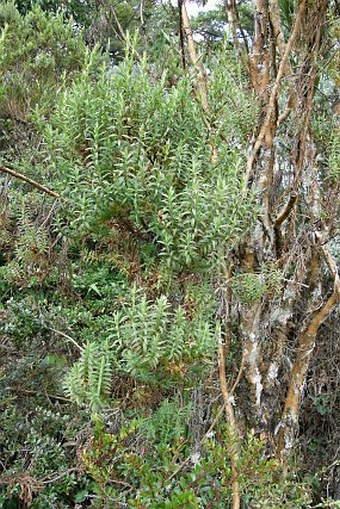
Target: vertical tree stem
230,414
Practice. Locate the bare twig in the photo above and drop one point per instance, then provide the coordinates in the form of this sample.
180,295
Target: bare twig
230,9
66,336
50,479
202,83
274,13
202,79
48,217
36,393
141,15
28,180
233,21
181,34
234,455
239,375
121,32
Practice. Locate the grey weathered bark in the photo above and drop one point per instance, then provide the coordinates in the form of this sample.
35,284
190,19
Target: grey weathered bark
285,235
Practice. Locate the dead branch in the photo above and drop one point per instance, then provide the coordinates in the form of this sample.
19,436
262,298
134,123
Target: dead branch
36,393
181,35
29,181
306,347
232,18
120,32
141,15
239,374
48,217
50,479
286,111
195,60
309,77
333,269
202,84
66,336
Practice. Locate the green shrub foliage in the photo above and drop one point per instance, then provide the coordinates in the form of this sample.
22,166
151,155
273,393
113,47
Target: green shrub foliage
144,338
37,52
115,297
128,149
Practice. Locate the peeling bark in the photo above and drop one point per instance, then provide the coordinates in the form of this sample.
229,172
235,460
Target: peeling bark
252,353
275,353
287,237
265,135
306,343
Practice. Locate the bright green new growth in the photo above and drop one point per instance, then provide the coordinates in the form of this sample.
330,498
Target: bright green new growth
121,277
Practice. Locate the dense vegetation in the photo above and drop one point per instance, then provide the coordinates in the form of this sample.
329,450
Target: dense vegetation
169,254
